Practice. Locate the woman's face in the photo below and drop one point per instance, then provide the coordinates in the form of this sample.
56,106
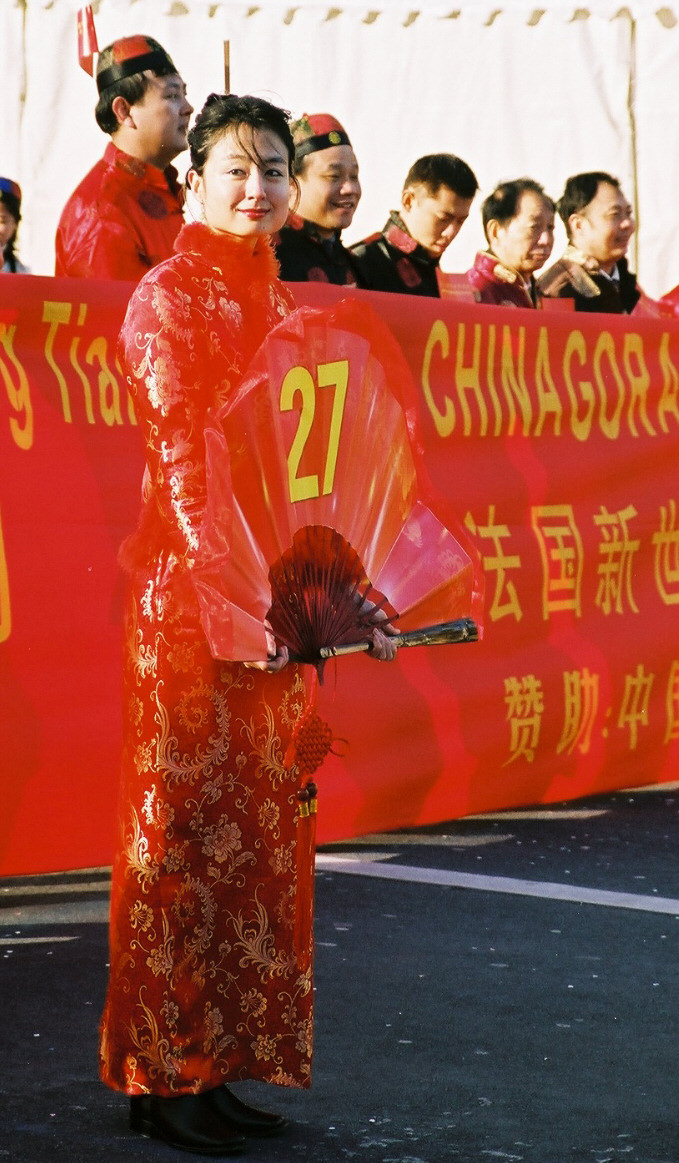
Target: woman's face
245,185
8,225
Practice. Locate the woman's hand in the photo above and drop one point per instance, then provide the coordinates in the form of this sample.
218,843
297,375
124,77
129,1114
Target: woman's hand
280,659
383,647
279,656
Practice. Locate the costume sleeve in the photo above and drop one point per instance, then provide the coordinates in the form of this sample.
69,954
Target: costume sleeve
567,279
164,350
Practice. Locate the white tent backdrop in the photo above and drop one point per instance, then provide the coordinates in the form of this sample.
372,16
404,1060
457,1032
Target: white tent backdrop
512,88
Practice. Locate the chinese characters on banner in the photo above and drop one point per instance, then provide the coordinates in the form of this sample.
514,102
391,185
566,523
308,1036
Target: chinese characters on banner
552,437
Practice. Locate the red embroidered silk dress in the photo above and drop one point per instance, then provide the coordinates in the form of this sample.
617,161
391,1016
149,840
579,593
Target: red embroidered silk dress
207,981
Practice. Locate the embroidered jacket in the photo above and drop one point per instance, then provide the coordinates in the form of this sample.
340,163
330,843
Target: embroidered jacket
120,221
499,285
393,261
305,256
577,276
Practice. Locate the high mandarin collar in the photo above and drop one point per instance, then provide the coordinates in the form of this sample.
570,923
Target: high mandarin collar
232,255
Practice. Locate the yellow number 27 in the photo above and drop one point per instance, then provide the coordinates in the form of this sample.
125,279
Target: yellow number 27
299,380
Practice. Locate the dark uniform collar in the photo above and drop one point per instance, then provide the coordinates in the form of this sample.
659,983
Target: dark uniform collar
397,235
329,244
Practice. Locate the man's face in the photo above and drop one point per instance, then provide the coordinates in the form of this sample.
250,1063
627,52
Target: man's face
604,228
161,119
434,220
330,189
525,242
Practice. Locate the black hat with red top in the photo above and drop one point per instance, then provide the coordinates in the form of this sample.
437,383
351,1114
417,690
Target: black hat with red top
131,55
315,131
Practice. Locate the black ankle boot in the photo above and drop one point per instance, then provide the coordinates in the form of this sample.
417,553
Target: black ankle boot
187,1122
239,1116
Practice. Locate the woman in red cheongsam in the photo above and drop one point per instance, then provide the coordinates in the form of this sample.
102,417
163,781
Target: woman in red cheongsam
209,980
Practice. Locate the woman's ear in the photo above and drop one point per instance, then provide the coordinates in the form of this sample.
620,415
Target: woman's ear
194,182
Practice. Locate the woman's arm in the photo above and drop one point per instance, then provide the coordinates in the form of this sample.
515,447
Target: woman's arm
170,373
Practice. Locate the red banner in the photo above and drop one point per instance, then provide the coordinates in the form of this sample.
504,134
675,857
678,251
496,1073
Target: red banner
553,436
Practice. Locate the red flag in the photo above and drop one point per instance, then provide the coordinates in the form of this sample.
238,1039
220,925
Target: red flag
87,39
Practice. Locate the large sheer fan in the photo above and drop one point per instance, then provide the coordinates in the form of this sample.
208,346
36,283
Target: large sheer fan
317,505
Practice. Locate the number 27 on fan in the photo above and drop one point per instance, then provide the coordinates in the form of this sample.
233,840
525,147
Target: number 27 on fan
299,381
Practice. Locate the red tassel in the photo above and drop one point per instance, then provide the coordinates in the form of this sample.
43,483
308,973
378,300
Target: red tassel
306,852
87,39
311,738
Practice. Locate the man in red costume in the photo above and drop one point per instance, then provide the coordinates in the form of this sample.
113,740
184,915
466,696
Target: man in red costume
124,216
309,247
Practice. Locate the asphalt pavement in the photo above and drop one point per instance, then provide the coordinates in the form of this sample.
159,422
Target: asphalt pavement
498,988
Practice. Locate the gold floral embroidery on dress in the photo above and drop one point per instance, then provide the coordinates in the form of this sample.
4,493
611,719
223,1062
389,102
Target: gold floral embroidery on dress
305,1037
194,895
229,310
143,917
140,863
192,711
293,703
176,767
144,756
159,1057
299,1030
282,858
155,600
253,1004
286,909
268,816
266,749
222,840
158,813
170,1012
255,937
175,311
163,385
175,859
136,711
181,657
161,958
266,1046
143,658
182,496
231,375
215,1041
